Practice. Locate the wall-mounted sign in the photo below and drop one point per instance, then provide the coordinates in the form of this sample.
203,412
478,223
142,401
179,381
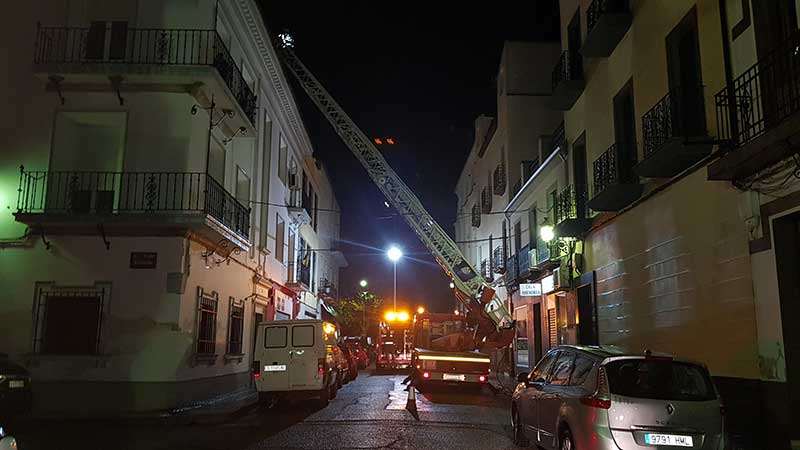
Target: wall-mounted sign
143,260
530,289
548,284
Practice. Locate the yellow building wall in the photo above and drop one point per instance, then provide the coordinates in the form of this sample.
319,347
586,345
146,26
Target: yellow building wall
673,274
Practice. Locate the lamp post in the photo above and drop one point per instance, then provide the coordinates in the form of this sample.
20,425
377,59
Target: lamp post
394,255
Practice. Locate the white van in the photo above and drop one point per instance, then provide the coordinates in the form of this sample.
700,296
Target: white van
297,359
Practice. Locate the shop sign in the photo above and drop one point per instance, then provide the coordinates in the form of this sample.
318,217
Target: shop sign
143,260
530,289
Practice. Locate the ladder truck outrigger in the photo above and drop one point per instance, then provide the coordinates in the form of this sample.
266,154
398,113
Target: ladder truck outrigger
489,325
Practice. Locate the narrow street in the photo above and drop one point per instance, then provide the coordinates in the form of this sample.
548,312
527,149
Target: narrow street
367,413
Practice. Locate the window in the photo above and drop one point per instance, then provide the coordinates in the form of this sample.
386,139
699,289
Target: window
562,369
216,162
583,368
542,369
303,336
533,226
265,176
280,231
242,187
292,239
206,322
235,326
69,322
283,150
275,337
662,379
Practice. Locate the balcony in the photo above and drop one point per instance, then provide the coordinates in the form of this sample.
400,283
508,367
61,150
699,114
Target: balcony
486,201
486,270
499,179
567,81
299,276
327,290
476,216
524,261
512,271
499,260
615,183
757,114
296,206
607,21
131,202
548,254
675,137
558,141
120,60
572,214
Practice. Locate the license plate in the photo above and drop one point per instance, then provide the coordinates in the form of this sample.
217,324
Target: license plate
452,377
275,368
15,384
668,439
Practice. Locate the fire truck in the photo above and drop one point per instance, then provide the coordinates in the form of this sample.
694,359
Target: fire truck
439,351
489,324
394,344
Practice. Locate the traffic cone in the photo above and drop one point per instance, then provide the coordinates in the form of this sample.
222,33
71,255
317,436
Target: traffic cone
411,403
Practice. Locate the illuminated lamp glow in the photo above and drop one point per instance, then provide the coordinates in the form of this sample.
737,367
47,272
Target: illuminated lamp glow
547,233
402,316
426,375
390,316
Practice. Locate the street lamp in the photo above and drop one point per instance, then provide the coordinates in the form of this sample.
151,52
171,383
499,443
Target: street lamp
547,233
394,255
452,285
362,283
420,310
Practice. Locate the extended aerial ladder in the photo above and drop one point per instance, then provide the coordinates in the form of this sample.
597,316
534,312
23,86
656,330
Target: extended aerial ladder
492,324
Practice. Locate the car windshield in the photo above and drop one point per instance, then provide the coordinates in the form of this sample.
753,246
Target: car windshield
659,379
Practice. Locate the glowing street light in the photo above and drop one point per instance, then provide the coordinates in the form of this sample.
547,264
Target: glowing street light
455,311
402,316
390,316
394,255
362,283
420,310
547,233
452,285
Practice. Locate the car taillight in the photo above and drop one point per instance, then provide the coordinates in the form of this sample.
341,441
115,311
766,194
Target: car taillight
426,375
596,402
256,369
482,378
321,366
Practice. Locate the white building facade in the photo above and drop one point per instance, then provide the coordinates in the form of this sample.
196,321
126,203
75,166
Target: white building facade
149,188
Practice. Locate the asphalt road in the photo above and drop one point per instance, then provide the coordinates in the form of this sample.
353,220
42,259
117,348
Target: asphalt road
368,413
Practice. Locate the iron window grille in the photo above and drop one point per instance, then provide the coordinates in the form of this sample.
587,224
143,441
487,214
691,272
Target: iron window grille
599,7
235,326
671,117
498,259
476,215
571,205
499,179
486,201
486,269
206,322
69,321
568,68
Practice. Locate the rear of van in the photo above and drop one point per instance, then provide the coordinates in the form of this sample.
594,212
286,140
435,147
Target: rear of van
292,359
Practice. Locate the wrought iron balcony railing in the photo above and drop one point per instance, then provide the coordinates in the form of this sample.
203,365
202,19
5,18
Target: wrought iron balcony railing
299,273
476,215
571,204
83,193
599,7
145,46
499,179
557,142
676,115
615,166
486,269
569,67
524,260
512,269
761,97
499,259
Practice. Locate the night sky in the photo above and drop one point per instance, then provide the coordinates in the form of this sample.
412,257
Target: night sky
419,73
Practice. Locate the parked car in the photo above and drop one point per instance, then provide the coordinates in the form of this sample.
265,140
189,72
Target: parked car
295,359
352,363
601,397
15,388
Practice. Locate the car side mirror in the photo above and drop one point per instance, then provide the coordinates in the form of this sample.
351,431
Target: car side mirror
522,377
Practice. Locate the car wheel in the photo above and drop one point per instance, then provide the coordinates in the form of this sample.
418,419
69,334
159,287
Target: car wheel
520,440
565,440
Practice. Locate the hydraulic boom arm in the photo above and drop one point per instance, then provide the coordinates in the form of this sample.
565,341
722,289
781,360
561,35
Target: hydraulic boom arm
493,325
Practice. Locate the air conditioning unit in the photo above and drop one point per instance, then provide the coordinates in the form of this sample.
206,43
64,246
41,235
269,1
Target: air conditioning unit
561,278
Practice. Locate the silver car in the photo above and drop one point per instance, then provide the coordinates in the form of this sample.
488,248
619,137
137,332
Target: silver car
601,397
